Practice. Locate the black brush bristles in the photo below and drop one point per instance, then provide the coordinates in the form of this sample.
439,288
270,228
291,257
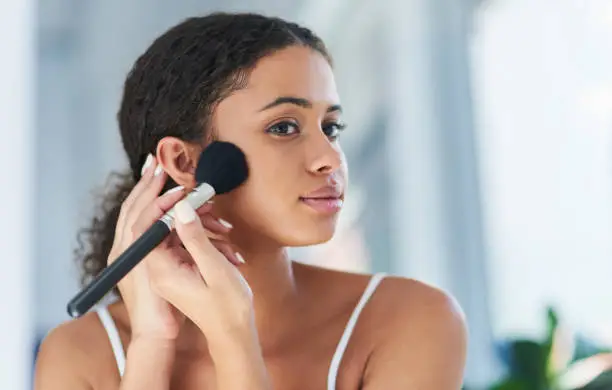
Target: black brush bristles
222,165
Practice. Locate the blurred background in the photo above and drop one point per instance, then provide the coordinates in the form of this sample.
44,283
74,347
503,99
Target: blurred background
479,145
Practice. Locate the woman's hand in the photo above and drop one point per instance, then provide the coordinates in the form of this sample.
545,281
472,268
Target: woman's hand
209,289
191,274
215,296
151,315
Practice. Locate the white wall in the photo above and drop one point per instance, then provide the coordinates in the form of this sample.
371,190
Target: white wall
16,199
545,111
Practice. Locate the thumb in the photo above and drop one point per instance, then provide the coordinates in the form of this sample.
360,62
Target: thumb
189,227
194,237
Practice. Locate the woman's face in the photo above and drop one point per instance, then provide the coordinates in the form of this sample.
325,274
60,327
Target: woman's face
287,122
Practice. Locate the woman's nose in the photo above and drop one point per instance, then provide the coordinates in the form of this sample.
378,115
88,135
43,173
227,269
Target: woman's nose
326,155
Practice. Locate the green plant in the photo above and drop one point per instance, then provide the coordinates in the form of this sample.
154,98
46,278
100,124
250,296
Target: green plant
559,361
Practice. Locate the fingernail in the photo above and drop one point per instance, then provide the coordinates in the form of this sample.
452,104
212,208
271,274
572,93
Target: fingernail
146,164
184,212
173,190
211,202
225,223
158,170
240,258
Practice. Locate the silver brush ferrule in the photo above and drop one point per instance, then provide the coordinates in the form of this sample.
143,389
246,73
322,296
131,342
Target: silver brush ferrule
196,198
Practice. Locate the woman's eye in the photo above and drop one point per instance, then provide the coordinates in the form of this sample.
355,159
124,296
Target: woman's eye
283,129
333,129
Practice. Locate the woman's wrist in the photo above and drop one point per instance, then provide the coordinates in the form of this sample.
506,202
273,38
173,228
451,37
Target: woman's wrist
239,362
154,343
248,373
149,364
157,351
234,341
241,367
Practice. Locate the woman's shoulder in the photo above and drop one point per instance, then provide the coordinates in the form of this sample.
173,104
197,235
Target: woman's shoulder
407,330
74,350
409,299
398,304
394,294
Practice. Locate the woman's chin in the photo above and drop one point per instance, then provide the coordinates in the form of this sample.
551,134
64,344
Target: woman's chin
308,237
293,232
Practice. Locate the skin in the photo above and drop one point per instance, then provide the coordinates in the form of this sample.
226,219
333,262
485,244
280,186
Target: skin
269,323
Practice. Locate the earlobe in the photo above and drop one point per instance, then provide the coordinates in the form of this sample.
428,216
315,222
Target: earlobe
178,159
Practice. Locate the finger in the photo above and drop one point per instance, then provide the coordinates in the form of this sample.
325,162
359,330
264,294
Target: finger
216,236
211,263
147,175
204,209
174,280
214,224
151,171
148,194
124,211
149,215
126,203
228,251
174,240
156,209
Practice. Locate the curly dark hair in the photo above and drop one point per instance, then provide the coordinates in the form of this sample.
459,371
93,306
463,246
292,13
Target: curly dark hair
172,90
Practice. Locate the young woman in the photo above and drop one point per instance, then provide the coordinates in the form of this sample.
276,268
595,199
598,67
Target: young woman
219,305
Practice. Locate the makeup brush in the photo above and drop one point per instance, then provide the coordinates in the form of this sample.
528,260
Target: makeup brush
222,167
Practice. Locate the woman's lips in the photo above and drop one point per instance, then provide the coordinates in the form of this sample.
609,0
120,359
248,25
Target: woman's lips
325,205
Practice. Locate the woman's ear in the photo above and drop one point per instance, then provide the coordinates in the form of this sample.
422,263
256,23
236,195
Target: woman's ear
179,160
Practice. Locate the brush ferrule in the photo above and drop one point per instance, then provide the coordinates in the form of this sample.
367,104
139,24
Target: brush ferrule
196,198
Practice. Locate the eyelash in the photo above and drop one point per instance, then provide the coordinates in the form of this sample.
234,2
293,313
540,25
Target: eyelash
339,127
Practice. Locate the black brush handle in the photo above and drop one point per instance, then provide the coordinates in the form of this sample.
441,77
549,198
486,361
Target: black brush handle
112,274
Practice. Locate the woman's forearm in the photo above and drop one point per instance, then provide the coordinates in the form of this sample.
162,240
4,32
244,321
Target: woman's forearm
149,365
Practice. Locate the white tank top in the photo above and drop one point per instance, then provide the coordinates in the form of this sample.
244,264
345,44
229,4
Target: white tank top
115,341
